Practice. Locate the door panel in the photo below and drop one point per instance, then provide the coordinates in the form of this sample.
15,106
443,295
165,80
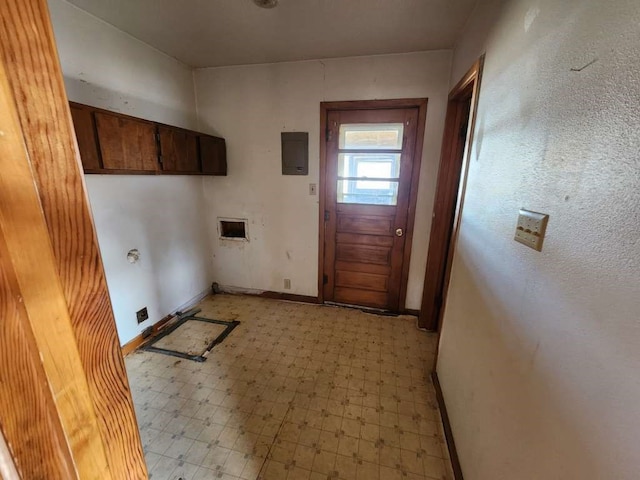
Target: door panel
369,168
357,296
362,267
363,254
364,281
354,238
364,224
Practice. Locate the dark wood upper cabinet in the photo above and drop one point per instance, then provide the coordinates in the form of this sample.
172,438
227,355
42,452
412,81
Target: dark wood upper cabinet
127,143
178,150
213,155
120,144
84,124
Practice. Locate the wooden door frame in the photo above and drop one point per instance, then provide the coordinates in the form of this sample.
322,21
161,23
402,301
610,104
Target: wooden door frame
325,108
447,196
76,366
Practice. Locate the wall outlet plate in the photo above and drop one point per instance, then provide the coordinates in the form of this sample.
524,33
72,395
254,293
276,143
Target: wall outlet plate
142,315
287,284
531,228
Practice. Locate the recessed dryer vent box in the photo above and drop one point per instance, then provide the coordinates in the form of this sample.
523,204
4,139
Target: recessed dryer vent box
295,153
233,229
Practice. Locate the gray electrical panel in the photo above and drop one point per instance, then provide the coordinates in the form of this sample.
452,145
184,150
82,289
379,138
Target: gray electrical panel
295,153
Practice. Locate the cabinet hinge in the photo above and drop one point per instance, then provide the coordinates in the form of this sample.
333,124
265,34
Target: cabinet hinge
326,215
325,279
160,159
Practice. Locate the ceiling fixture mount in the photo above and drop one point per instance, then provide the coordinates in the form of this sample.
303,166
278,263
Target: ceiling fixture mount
266,3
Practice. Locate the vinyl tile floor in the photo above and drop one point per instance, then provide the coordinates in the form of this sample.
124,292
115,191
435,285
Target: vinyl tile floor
296,392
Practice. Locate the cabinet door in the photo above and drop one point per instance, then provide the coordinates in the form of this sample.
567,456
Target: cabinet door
127,143
213,155
84,126
179,150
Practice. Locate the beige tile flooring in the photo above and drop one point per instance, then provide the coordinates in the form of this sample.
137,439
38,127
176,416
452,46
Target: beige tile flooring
296,392
192,337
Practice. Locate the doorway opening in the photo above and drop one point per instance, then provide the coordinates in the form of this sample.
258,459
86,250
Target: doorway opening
369,170
451,183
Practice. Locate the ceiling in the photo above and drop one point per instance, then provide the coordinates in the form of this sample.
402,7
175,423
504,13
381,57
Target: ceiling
208,33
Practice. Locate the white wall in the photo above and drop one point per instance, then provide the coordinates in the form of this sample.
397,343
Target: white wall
250,106
160,216
539,354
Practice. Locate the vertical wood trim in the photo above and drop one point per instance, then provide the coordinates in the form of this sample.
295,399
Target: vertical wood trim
430,317
26,250
448,180
28,50
413,201
330,206
478,67
322,199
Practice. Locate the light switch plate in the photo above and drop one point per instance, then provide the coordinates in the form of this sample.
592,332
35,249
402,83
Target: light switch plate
531,228
313,189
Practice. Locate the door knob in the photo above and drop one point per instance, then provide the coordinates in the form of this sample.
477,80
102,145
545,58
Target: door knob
399,232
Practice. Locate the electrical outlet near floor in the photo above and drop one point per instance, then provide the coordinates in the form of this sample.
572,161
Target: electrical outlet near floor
287,284
142,315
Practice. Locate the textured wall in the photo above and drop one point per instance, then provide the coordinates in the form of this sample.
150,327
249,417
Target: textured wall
250,106
160,216
539,355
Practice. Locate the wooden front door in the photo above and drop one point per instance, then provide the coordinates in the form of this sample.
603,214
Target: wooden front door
369,167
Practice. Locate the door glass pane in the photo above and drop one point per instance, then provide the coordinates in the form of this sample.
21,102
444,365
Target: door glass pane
371,192
369,178
370,165
371,136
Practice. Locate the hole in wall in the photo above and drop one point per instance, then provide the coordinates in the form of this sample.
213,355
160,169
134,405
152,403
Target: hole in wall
233,228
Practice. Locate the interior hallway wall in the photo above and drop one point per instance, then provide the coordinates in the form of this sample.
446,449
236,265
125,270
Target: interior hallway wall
158,215
250,105
539,354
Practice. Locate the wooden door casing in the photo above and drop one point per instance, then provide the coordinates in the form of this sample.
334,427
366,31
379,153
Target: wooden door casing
28,46
53,384
363,261
444,205
449,198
